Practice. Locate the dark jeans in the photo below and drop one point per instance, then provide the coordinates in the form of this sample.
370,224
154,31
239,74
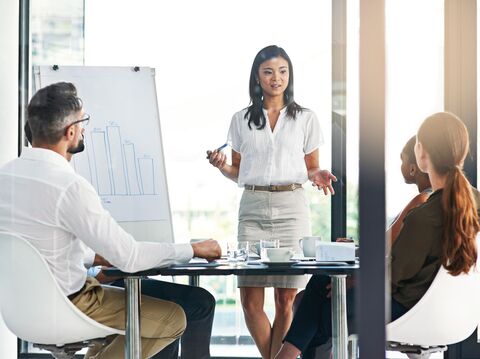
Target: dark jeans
312,323
198,305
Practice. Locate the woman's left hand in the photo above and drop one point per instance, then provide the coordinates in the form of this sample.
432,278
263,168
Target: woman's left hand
323,180
350,283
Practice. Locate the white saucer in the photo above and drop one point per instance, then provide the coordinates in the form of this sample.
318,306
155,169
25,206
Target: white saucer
303,258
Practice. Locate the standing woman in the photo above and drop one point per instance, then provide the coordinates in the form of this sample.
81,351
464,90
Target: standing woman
274,151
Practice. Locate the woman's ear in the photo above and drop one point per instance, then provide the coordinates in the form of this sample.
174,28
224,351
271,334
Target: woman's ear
421,156
413,170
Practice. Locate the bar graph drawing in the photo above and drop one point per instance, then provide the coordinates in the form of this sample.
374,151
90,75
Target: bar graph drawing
131,167
123,158
112,166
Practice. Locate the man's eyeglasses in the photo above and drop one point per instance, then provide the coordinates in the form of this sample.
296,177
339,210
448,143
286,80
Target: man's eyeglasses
84,121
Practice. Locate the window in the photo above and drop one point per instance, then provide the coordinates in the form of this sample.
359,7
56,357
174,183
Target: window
352,111
56,32
202,53
414,83
56,37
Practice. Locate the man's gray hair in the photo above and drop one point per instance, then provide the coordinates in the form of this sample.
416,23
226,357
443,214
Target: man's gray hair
49,110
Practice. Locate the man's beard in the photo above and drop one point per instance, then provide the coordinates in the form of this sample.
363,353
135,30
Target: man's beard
79,147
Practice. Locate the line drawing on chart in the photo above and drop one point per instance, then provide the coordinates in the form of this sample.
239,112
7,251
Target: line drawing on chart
146,169
112,166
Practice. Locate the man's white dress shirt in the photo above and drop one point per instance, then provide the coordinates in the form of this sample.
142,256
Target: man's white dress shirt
43,200
275,157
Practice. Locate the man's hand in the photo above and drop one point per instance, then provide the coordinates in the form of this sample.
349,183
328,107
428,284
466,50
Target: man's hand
209,249
102,278
100,261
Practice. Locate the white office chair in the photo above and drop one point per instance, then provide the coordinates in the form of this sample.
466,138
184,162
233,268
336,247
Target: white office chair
33,305
448,313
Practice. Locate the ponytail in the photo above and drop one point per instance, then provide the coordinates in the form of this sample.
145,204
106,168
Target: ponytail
445,139
461,223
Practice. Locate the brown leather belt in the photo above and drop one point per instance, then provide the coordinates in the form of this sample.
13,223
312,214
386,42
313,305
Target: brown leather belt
274,188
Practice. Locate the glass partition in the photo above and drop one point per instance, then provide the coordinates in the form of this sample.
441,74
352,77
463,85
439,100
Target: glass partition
202,79
56,32
202,53
56,37
352,112
202,60
415,78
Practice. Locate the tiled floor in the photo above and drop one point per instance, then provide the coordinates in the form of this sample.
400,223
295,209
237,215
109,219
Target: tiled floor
250,351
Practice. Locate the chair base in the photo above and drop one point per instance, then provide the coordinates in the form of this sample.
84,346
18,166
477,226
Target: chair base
415,351
68,351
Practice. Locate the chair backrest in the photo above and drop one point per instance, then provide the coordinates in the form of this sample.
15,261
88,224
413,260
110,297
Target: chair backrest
448,313
32,303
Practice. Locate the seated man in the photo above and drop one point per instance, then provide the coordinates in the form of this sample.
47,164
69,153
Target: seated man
198,305
43,200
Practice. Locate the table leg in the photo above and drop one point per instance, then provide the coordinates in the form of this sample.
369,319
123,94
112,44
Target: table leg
133,348
194,280
339,317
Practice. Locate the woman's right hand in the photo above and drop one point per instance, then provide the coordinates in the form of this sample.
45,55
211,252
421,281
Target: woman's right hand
217,159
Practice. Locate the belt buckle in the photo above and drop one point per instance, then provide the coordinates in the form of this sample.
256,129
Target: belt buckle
292,186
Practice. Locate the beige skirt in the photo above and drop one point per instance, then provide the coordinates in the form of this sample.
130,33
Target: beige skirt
274,215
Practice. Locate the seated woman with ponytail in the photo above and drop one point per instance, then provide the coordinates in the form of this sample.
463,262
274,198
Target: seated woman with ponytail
440,232
443,230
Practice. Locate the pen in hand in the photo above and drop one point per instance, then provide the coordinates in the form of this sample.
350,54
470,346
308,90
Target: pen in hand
217,150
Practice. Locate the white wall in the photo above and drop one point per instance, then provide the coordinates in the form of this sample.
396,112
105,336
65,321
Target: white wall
8,118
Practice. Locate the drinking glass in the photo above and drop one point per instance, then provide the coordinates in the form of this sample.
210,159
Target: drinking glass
267,243
237,251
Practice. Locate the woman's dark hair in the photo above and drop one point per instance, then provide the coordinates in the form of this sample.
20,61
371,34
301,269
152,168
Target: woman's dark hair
255,110
409,150
48,112
445,139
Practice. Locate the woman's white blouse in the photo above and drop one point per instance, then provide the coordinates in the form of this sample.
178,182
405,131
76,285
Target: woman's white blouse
278,157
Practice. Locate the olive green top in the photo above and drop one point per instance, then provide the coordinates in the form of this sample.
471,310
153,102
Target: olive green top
416,254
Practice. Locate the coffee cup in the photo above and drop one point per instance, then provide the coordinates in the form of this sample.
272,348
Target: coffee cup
279,254
309,244
266,244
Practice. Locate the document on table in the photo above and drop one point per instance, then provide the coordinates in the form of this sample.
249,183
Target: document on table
200,262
